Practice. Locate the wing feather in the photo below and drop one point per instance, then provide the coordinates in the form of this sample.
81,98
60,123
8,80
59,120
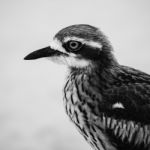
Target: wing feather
133,92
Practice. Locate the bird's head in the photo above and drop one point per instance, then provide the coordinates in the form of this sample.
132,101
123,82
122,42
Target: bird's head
78,46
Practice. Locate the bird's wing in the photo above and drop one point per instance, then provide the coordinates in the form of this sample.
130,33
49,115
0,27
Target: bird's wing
129,98
127,110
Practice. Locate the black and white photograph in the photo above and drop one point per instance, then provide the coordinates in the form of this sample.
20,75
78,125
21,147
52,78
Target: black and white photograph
75,75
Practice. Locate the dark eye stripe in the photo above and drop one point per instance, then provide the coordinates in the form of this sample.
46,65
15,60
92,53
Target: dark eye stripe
89,52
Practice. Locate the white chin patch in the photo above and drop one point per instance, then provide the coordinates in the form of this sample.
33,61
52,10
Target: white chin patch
58,59
69,61
75,62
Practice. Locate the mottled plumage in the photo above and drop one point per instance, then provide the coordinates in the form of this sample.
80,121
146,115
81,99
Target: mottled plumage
109,103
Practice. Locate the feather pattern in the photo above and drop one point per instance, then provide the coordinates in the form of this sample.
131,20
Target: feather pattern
109,103
89,106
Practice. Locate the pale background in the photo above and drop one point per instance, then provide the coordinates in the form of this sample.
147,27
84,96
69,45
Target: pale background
32,116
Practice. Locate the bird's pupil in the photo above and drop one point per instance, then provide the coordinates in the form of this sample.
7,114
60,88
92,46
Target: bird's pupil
73,45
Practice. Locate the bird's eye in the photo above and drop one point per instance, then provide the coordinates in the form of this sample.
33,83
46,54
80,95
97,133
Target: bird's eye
74,45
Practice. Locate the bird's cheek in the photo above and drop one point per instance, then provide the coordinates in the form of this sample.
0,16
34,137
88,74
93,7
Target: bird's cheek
76,62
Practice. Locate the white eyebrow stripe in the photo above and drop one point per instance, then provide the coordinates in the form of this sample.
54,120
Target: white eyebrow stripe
90,43
56,45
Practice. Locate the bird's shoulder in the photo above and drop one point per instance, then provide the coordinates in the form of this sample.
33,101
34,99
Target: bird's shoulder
129,96
130,79
133,75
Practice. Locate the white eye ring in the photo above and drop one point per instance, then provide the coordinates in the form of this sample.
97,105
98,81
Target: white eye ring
74,45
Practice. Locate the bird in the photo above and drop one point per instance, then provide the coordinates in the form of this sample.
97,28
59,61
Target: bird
109,103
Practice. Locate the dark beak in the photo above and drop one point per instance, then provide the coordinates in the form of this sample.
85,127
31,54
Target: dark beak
44,52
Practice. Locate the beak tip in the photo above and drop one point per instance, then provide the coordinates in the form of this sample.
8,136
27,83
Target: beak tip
27,57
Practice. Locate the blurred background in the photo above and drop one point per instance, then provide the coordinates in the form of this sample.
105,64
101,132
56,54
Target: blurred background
32,116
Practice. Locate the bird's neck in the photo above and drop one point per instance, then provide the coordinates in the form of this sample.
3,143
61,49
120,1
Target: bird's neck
97,72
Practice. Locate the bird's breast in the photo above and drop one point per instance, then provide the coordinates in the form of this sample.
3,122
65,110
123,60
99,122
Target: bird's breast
78,100
82,110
